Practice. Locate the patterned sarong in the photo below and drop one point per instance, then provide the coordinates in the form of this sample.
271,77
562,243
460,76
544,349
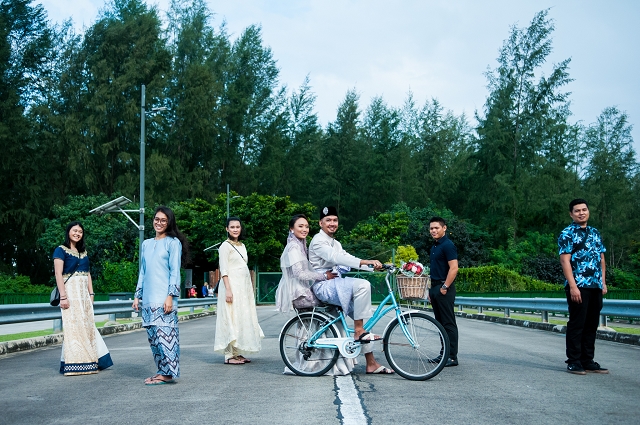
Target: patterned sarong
165,346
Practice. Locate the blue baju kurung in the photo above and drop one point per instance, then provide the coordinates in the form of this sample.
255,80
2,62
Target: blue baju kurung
159,278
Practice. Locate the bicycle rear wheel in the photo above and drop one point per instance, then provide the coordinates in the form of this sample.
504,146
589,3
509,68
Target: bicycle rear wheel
427,357
300,358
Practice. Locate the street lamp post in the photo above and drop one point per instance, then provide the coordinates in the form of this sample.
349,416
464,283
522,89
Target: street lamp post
143,142
228,199
142,167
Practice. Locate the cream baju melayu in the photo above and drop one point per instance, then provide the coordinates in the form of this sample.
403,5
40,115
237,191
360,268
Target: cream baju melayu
352,294
237,328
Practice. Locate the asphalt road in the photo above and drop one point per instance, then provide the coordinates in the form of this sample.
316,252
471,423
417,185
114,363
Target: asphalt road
507,375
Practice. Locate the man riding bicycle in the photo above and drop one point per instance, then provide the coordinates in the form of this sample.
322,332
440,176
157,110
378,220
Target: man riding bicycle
353,295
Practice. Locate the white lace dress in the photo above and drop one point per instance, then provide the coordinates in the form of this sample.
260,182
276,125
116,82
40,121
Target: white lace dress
237,327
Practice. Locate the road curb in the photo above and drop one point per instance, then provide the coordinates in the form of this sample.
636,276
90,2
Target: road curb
604,335
26,344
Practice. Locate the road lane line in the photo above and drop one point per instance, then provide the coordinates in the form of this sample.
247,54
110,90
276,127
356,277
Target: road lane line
350,406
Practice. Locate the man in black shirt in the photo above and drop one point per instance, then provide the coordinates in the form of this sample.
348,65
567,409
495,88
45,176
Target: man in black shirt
442,295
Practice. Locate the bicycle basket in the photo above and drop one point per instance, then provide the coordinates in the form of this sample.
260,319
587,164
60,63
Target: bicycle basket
413,288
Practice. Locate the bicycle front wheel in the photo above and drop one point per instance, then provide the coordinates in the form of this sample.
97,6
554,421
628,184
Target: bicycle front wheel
297,355
428,354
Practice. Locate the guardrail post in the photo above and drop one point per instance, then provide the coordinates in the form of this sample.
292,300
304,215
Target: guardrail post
57,325
192,310
603,322
112,317
480,310
545,317
507,312
460,307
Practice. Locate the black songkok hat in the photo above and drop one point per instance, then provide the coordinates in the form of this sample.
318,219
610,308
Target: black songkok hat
328,211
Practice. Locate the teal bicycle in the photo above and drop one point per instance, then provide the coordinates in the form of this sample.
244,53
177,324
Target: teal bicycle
415,344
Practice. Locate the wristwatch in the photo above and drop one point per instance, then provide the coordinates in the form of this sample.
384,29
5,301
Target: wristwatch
445,286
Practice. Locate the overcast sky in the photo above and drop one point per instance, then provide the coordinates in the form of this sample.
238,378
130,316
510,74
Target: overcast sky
433,48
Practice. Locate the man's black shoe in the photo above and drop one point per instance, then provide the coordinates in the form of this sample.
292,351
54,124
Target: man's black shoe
576,369
436,359
594,367
451,362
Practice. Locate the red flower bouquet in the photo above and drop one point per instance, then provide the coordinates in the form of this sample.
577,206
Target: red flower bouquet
413,269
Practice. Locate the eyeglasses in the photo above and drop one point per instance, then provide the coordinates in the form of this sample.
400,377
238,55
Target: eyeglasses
160,220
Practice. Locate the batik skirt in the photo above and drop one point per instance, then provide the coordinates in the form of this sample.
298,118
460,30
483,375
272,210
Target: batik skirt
83,351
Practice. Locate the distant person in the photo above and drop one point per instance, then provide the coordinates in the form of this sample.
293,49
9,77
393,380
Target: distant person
205,290
582,260
158,291
237,328
352,294
83,351
192,292
442,294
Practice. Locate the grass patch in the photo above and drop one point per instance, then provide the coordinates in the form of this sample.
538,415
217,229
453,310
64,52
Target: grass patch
23,335
632,331
535,318
184,313
45,332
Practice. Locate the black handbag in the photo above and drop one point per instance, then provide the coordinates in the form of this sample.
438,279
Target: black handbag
54,299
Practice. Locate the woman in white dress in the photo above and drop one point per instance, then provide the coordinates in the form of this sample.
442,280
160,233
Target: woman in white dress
294,290
237,328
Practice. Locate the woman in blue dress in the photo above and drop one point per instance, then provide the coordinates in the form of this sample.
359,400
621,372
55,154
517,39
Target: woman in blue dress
158,291
83,351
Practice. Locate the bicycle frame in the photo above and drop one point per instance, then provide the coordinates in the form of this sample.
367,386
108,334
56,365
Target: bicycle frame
380,312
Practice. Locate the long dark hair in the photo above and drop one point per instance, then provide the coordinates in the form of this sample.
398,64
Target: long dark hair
243,234
67,240
174,232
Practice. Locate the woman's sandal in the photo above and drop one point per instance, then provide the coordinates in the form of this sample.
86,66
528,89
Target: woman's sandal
157,380
233,360
242,359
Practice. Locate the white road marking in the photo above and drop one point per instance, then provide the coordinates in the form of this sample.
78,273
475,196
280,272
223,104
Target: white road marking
350,404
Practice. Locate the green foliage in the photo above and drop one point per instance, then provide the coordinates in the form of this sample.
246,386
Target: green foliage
70,125
498,279
20,285
534,255
117,277
109,238
266,221
404,254
523,168
620,279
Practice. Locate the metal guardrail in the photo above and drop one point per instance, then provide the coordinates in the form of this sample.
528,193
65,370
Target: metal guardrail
615,308
18,313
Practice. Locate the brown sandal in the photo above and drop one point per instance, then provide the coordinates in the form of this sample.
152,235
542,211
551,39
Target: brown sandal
242,359
233,360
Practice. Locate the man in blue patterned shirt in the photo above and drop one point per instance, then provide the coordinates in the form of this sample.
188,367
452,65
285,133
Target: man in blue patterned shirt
582,259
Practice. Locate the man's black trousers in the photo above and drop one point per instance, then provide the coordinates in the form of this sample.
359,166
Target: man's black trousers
583,325
443,310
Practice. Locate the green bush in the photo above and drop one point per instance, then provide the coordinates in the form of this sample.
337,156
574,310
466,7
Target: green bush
498,279
20,285
117,277
620,279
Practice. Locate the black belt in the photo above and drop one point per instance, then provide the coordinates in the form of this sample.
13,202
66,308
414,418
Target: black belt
436,282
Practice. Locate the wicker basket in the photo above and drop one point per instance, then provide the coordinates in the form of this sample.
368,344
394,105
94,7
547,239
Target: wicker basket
413,288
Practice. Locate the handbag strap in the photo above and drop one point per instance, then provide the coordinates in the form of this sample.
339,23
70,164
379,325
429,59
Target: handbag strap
242,256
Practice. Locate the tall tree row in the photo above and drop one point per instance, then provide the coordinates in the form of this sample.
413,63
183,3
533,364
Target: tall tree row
70,125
